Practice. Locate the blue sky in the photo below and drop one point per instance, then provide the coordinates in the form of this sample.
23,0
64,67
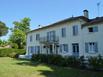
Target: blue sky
43,12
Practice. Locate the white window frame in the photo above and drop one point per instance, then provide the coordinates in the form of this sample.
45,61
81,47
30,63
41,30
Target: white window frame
91,47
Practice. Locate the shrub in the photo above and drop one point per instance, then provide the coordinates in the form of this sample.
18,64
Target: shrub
73,61
82,62
10,52
14,45
96,62
56,60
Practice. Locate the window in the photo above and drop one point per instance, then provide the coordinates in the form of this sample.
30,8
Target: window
31,38
37,36
37,49
64,48
51,35
75,30
93,29
31,49
63,30
91,47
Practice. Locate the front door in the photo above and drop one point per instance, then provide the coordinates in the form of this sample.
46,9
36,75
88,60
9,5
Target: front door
75,47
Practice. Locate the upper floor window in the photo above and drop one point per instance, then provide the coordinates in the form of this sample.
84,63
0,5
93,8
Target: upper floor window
63,32
37,36
91,47
75,30
93,29
31,38
51,35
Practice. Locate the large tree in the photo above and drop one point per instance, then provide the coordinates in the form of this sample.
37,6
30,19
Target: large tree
3,29
19,30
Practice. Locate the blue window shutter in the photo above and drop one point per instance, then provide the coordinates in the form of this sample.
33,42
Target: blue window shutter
95,29
86,47
61,48
63,32
35,50
66,47
96,47
73,30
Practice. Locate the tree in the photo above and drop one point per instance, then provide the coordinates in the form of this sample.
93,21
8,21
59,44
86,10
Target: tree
19,30
3,29
3,43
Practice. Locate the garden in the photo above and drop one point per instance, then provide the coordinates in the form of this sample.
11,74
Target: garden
44,65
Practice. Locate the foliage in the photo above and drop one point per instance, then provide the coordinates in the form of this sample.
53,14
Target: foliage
3,29
56,60
70,61
73,61
3,43
18,35
14,45
96,62
10,52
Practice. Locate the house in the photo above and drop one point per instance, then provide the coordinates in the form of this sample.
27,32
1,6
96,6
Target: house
76,36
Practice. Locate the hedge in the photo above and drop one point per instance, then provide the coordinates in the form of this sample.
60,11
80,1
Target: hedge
10,52
56,60
70,61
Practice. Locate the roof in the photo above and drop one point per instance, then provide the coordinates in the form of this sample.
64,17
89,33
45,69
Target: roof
93,21
62,21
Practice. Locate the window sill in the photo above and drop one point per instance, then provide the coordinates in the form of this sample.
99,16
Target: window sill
91,52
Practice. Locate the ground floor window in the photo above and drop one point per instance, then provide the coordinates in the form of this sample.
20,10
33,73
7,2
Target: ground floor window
64,48
31,49
37,49
34,49
91,47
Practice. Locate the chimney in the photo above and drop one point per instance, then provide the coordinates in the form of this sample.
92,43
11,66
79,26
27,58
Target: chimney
86,13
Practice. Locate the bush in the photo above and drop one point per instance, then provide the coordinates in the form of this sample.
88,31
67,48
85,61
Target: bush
56,60
73,61
96,63
10,52
14,45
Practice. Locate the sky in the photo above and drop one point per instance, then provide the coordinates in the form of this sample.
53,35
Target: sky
44,12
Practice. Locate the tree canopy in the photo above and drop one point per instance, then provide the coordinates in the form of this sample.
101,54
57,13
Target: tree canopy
19,30
3,29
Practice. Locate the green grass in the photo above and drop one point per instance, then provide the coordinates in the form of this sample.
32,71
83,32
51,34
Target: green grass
10,67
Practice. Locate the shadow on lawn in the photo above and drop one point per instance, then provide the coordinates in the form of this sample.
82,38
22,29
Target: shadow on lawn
25,62
56,71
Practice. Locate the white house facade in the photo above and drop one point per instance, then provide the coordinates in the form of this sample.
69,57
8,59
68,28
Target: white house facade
76,36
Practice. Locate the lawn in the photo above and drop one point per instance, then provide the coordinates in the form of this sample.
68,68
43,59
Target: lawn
10,67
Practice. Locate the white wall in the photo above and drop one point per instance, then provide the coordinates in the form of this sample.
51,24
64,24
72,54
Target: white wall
93,37
81,38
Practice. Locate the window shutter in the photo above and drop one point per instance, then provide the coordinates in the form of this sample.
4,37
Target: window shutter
61,48
66,46
86,47
95,29
73,30
96,47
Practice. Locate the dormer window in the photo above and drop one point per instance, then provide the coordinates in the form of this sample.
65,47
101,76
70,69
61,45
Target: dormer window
93,29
